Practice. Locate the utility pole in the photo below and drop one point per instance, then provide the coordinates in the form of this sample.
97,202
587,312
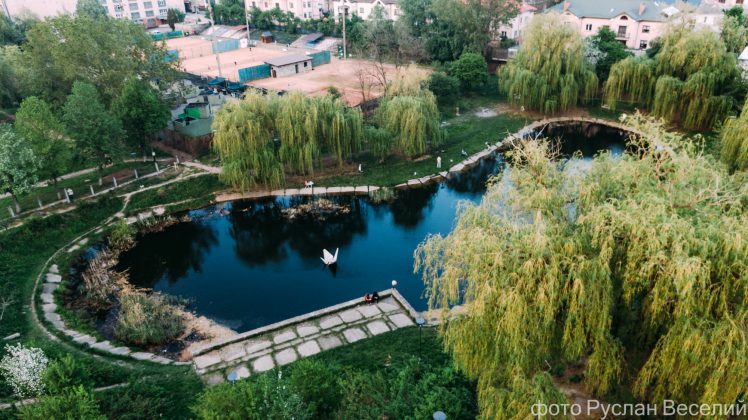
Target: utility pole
246,18
213,36
345,17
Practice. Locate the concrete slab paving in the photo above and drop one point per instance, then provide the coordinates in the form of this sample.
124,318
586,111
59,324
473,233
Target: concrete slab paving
354,334
351,315
377,327
330,321
329,342
286,356
307,329
263,364
369,310
308,348
284,336
401,320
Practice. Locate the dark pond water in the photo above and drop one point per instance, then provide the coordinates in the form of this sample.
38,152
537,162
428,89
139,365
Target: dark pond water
245,265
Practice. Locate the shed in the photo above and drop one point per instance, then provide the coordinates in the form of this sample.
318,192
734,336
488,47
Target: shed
289,64
266,37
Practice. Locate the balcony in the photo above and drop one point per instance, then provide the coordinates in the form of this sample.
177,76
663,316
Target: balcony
622,36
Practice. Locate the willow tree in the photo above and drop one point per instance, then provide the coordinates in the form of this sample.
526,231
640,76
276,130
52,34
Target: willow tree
261,139
734,135
550,73
641,257
413,121
688,81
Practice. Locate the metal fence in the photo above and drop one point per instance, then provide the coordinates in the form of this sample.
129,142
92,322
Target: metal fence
225,45
254,73
319,58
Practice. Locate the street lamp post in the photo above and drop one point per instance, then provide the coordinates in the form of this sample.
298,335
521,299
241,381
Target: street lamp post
213,37
246,18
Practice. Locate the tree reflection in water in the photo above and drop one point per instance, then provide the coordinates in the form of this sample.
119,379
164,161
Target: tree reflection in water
169,254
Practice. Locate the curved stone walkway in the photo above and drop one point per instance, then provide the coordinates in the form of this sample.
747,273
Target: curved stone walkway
284,342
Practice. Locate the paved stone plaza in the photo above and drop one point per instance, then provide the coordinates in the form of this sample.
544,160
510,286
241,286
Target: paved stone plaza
279,344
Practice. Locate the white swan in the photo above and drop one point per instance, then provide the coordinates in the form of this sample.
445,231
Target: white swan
328,258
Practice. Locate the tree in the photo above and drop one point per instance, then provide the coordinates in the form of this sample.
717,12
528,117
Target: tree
174,16
13,31
550,73
445,88
102,52
18,165
11,76
691,80
261,139
97,134
474,21
142,112
610,51
38,124
228,12
413,121
91,8
734,138
633,257
470,69
734,32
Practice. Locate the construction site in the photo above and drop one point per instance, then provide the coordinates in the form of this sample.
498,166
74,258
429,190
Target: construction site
306,66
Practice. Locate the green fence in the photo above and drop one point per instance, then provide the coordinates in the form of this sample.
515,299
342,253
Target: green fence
168,35
254,73
172,55
319,58
225,45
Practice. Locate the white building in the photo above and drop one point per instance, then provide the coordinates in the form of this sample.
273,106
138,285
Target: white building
365,8
515,27
302,9
148,12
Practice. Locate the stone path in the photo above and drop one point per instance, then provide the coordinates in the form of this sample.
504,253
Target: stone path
279,344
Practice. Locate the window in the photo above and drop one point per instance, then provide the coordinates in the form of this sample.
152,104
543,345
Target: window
624,18
135,15
361,10
738,1
503,34
721,1
305,63
277,5
118,15
149,13
162,12
253,4
642,45
621,32
147,5
588,27
290,5
133,6
645,29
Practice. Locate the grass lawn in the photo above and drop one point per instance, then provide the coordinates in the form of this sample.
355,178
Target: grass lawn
466,132
197,192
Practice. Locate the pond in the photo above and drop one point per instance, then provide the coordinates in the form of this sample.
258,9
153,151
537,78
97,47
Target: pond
245,265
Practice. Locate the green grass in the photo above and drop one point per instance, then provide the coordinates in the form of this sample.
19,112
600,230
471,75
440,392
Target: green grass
466,132
279,36
198,190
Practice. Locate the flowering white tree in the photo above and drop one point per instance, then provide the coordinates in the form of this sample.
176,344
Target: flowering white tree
23,369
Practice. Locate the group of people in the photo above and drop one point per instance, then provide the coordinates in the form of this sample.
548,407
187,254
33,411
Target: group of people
371,297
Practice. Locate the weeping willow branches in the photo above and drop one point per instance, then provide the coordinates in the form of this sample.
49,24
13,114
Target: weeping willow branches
688,80
261,139
550,73
735,141
643,254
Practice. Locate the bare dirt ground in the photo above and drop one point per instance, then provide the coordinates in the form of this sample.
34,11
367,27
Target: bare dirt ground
344,75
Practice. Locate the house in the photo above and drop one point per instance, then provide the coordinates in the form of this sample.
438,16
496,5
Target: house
289,64
515,27
635,22
365,8
302,9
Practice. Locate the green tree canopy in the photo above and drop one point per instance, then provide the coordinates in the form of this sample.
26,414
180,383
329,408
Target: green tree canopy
142,112
445,88
38,123
609,51
18,165
734,138
103,52
261,139
413,121
550,73
11,72
97,134
13,31
691,80
228,12
634,268
174,16
91,8
470,69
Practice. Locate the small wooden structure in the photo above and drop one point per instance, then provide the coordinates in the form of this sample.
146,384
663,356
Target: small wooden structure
267,37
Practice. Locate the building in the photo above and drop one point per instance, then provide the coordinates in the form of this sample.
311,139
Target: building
515,27
288,65
302,9
365,8
149,12
635,22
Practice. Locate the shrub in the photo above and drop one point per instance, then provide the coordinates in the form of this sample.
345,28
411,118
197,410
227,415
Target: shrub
471,70
317,384
264,397
23,368
168,396
122,236
73,404
62,374
445,88
99,283
147,320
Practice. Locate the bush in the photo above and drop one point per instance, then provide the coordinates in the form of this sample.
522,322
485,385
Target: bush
23,369
122,235
62,374
167,396
264,397
445,88
74,404
317,384
471,70
147,320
